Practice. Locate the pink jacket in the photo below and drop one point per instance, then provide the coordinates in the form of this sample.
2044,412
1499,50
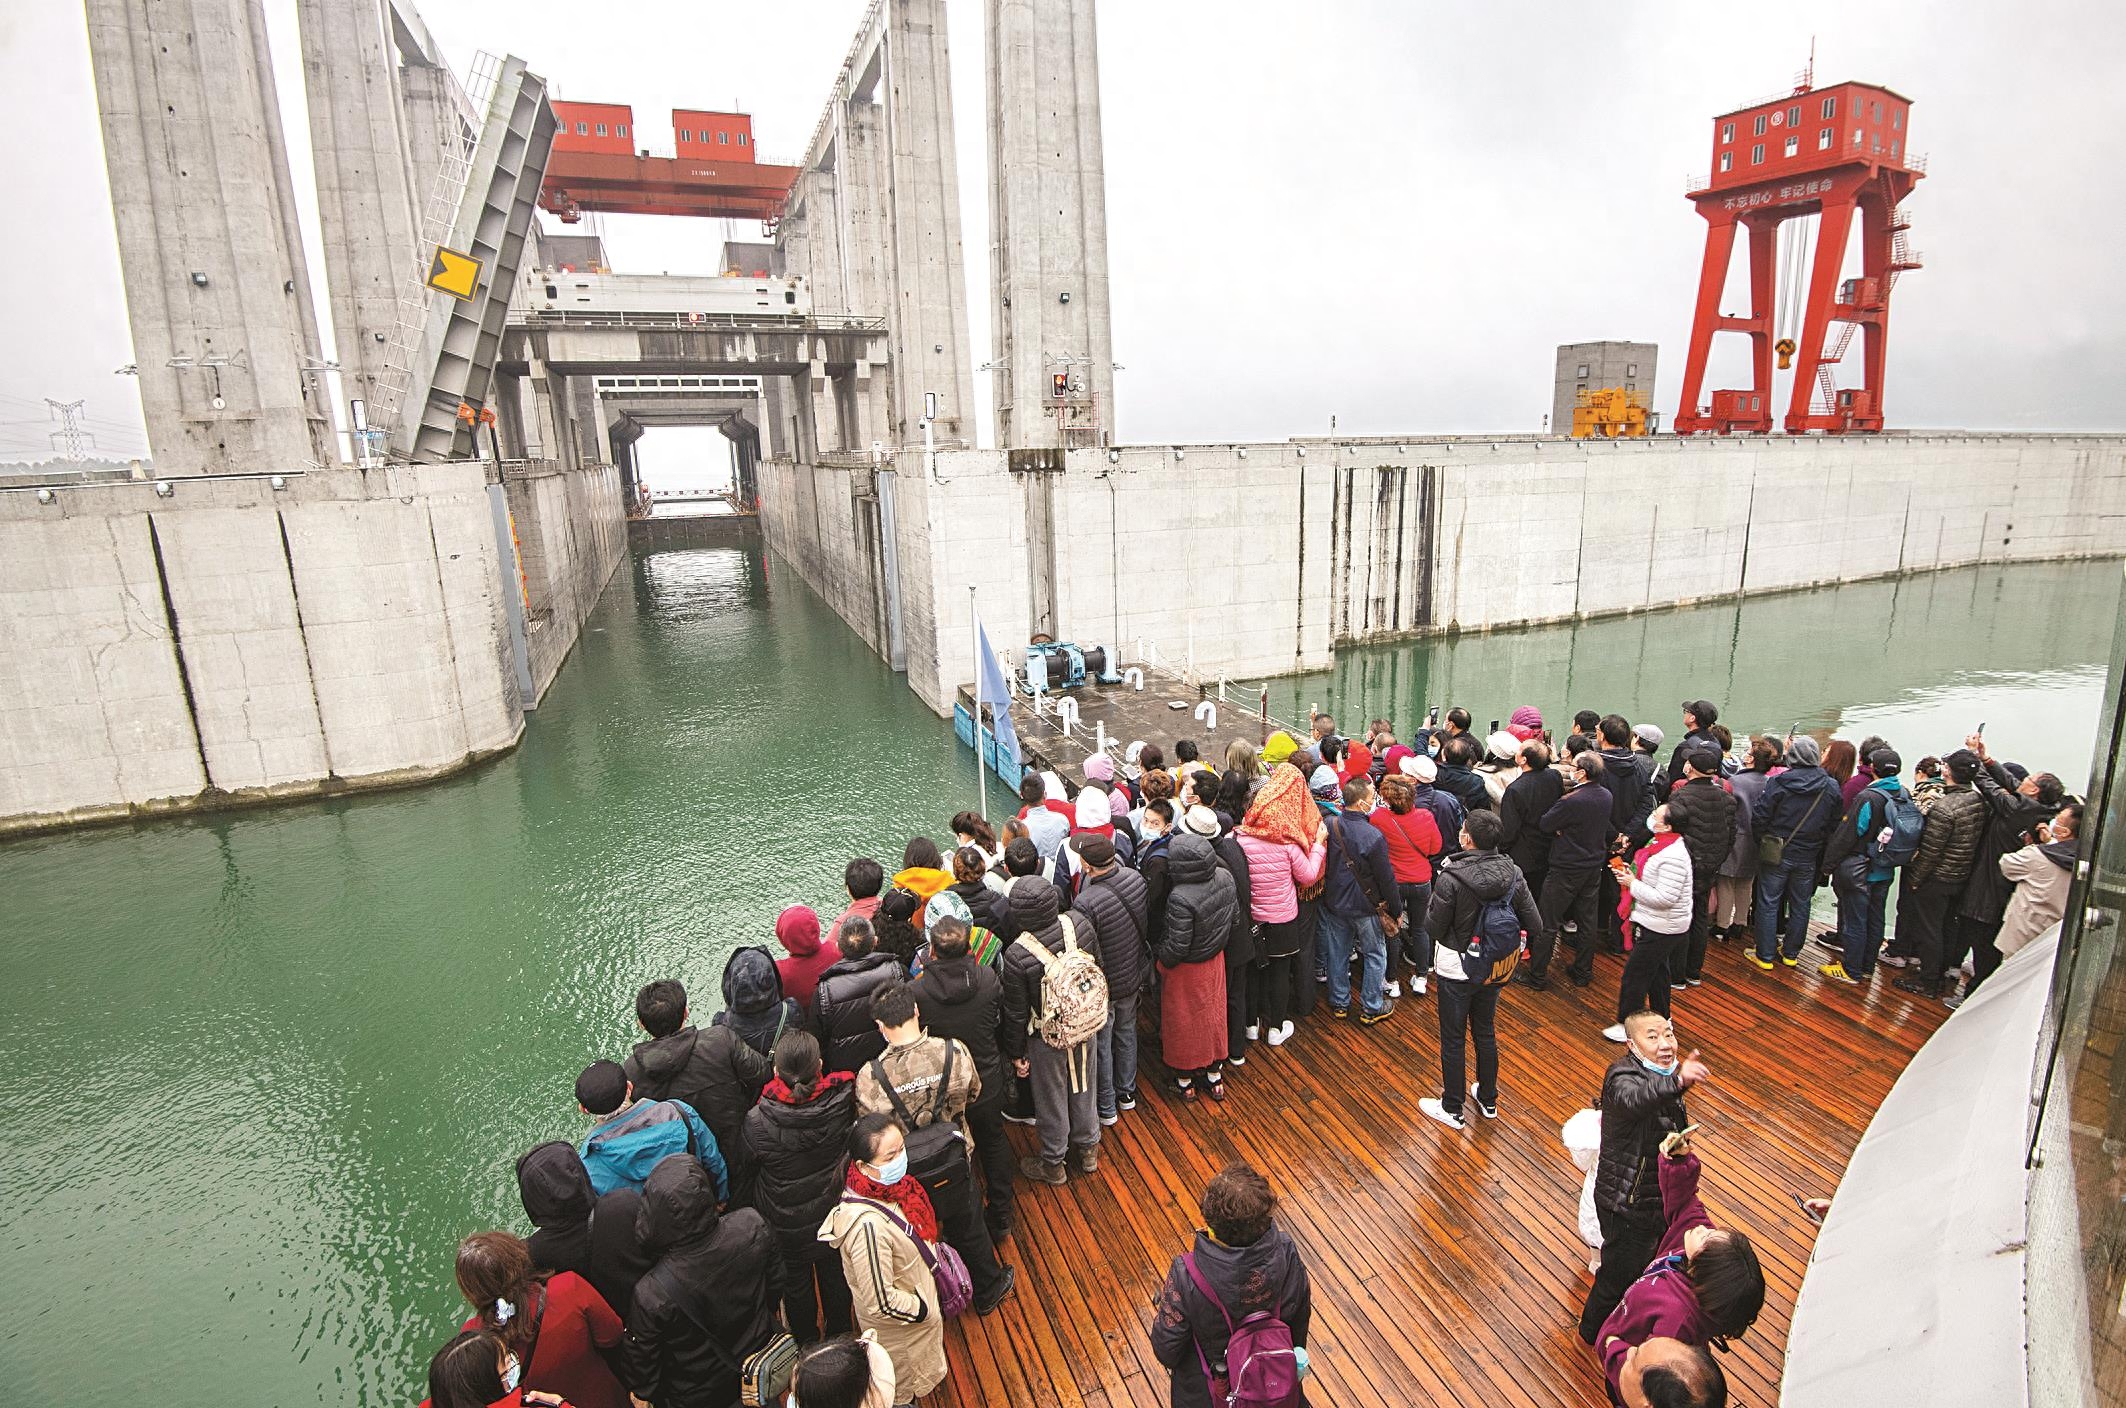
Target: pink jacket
1276,870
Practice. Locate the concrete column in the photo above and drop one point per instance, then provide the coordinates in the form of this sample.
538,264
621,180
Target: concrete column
214,273
864,195
431,126
826,421
1048,224
366,206
929,313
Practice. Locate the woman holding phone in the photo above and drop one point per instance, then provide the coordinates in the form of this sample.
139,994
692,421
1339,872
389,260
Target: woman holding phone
1657,904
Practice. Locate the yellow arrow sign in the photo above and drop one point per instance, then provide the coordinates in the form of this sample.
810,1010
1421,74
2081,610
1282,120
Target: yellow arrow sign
454,273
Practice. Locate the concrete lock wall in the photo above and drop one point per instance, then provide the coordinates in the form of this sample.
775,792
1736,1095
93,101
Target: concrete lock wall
1260,559
571,537
233,643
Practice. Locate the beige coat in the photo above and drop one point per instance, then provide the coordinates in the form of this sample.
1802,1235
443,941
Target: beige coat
893,1291
2039,900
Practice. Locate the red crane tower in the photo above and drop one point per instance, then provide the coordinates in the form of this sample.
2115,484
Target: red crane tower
1817,151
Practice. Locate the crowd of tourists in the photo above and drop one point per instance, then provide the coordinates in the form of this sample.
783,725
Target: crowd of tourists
785,1203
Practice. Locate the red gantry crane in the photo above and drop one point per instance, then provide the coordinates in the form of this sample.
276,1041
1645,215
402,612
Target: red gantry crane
1825,152
597,167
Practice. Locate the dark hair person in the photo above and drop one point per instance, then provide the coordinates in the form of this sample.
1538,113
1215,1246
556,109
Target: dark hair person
1840,758
883,1208
557,1327
849,1372
1248,1264
477,1370
797,1134
1704,1284
972,830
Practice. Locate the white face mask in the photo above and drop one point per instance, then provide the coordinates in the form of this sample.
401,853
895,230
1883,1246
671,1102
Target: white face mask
512,1371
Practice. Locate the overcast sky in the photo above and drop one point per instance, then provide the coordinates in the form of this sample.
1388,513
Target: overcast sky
1381,210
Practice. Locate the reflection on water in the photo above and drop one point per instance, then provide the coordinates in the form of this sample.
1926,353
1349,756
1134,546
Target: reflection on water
265,1069
1921,661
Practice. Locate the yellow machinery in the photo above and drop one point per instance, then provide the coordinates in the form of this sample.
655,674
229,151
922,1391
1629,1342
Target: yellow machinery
1611,413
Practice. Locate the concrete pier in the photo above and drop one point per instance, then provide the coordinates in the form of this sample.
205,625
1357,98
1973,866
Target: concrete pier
239,640
223,333
369,211
1048,226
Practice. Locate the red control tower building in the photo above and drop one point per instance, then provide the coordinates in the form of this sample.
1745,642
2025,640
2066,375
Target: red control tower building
1818,151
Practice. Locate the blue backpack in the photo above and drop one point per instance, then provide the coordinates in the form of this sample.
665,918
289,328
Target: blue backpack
1896,841
1497,940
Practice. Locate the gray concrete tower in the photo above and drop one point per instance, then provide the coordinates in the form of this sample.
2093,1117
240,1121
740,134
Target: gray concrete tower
369,213
1048,227
929,316
216,291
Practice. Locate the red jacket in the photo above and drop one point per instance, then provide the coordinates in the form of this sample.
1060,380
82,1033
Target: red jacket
1413,839
575,1325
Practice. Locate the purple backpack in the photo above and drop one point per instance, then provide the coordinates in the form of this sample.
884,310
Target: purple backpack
1261,1366
948,1268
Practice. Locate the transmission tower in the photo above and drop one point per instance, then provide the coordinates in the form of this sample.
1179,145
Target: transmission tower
70,439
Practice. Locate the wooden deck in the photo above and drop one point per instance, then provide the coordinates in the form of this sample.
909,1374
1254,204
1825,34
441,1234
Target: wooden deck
1417,1299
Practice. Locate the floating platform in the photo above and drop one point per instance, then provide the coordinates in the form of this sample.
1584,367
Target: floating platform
1447,1266
1164,710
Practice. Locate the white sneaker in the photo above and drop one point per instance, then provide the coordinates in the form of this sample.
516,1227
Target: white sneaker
1289,1029
1236,1060
1432,1109
1278,1035
1417,986
1489,1112
1110,1120
1392,989
1254,1031
1614,1033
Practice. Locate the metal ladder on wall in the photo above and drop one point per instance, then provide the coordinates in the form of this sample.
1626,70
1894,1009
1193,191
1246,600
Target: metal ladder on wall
439,214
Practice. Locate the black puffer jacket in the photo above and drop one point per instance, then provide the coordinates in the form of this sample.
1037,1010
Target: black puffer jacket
1580,824
1115,902
964,1000
1640,1108
1949,842
1707,813
841,1010
711,1069
1033,910
797,1154
715,1276
1240,945
985,904
753,1002
2008,815
1199,907
1461,888
593,1237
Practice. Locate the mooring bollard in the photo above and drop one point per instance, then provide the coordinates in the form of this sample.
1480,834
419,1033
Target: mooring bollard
1066,714
1207,711
1134,675
1099,736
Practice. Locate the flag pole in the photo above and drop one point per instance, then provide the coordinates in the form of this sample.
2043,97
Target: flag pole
981,765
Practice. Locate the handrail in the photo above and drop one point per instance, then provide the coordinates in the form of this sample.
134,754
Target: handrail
1910,161
819,322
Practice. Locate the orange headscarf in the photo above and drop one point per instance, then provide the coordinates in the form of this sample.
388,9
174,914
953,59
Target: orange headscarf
1284,811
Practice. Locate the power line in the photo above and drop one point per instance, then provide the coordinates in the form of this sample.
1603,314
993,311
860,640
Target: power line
72,436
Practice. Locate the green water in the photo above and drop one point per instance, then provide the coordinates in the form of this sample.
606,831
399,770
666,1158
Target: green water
265,1069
